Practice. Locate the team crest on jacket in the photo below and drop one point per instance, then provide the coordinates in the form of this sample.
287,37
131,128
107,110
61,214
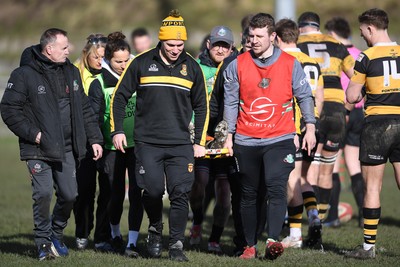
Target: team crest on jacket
190,167
184,70
264,83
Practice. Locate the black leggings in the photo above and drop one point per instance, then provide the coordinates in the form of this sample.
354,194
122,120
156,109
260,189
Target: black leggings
115,166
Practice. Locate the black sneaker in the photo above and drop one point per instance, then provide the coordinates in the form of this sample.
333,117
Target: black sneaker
118,245
314,240
154,242
47,252
103,247
362,254
132,251
238,251
176,252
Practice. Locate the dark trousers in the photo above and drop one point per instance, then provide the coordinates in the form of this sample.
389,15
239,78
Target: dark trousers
86,175
174,165
273,163
46,176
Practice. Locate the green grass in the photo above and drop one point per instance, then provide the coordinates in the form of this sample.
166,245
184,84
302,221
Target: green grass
17,247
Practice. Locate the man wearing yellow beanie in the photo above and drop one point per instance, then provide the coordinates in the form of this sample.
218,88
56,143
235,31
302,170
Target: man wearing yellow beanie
169,87
173,28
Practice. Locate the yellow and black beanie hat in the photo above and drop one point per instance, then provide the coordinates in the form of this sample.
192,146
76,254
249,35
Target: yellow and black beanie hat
173,27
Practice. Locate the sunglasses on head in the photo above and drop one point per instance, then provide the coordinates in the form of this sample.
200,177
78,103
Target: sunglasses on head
96,40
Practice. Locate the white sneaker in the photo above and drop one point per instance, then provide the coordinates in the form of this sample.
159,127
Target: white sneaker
292,242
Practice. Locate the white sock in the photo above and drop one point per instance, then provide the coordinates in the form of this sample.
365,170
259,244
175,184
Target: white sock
367,246
132,238
115,230
295,232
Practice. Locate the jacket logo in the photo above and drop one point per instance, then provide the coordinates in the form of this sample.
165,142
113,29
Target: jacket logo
41,90
184,70
76,85
142,170
9,85
262,109
264,83
153,67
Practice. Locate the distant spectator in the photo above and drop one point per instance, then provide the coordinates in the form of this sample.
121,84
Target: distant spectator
140,40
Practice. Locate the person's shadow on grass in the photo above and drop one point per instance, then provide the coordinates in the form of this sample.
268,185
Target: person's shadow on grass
17,244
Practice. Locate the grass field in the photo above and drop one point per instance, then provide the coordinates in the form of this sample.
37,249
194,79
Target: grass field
17,247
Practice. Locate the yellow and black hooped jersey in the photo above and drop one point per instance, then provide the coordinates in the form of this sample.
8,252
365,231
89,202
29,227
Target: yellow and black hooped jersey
314,77
332,57
378,68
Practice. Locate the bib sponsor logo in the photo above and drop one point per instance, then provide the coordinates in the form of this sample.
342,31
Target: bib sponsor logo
262,109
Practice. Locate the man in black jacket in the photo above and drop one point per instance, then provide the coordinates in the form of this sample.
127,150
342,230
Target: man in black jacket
45,106
170,87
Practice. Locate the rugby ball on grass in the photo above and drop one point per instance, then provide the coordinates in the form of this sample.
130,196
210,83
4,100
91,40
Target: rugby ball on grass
345,212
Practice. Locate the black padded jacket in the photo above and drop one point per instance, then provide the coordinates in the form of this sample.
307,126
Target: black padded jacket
31,104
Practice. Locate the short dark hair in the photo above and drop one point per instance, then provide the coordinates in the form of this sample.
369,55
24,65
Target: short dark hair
340,26
262,20
309,19
139,32
376,17
287,30
245,35
50,36
244,23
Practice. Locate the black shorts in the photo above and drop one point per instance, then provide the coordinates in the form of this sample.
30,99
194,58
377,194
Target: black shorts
380,140
303,154
332,126
354,127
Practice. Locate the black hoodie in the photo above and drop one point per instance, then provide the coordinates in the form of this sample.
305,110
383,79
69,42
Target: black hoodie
48,97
